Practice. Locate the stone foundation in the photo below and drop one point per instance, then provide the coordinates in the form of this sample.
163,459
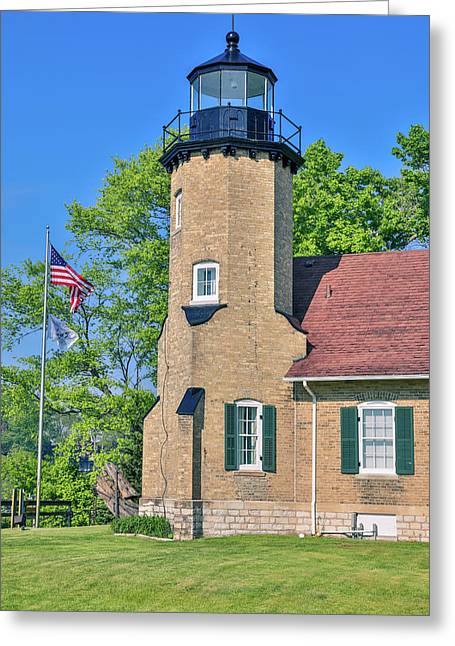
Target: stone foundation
413,528
194,518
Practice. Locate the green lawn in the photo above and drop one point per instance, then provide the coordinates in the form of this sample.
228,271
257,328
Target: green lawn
88,568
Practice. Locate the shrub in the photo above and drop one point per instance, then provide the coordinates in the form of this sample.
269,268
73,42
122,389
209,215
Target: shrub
148,525
102,515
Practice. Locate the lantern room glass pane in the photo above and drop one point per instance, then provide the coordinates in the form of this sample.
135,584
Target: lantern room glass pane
210,90
233,87
256,91
269,96
195,95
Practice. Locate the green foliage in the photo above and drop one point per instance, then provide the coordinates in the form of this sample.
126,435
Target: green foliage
18,470
65,481
147,525
414,149
102,515
101,387
359,210
61,479
20,416
412,194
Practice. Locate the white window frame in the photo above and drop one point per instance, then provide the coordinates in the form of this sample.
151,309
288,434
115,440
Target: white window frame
370,406
212,298
251,403
178,210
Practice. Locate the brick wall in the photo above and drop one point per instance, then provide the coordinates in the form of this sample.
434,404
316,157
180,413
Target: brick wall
238,212
342,494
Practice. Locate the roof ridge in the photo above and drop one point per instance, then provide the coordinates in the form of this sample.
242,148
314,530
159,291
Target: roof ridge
365,253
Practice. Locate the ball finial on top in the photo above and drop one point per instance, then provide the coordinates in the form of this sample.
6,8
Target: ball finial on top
232,39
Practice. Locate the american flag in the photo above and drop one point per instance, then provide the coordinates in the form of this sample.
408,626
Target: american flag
63,274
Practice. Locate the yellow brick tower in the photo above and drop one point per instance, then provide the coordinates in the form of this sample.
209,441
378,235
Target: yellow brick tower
221,435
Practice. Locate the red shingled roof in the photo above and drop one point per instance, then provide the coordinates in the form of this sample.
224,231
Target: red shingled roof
365,314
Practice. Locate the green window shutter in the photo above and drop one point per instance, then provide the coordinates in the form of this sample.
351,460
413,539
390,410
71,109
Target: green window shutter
230,437
269,438
349,440
404,440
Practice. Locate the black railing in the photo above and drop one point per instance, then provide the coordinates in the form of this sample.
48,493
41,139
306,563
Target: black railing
232,121
27,510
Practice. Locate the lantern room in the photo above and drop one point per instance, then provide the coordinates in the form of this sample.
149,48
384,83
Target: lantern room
231,79
231,95
231,103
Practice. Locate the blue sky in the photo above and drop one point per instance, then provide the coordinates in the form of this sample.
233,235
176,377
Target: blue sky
80,88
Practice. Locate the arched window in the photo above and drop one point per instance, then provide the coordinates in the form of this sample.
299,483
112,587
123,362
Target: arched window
205,282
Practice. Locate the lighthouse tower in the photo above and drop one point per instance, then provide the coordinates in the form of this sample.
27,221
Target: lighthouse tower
221,435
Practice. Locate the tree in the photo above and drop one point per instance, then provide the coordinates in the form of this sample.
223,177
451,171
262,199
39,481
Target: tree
18,470
102,385
357,210
64,480
412,197
20,416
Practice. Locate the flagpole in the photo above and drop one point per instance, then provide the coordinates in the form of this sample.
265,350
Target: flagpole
43,371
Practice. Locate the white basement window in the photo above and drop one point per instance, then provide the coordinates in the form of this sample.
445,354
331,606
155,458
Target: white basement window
205,283
386,524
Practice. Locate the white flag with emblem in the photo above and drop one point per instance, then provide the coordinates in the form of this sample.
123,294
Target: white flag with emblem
60,332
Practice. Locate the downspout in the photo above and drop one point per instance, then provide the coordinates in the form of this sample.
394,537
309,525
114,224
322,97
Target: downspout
313,456
295,450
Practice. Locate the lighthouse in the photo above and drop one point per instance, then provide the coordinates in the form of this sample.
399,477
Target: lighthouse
221,435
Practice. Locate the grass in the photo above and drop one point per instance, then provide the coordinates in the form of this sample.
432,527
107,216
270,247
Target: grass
88,568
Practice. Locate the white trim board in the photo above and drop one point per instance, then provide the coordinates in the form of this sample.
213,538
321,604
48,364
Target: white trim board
357,378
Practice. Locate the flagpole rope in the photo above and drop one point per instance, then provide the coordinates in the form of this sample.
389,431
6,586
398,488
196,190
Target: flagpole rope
22,336
42,382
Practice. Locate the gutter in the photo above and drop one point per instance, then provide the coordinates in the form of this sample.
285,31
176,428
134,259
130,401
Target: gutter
357,378
313,455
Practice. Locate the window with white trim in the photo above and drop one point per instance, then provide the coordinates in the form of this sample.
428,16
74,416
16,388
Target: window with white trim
178,210
377,437
205,282
249,429
250,436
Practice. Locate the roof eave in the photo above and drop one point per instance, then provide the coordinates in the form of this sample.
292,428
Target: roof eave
218,64
359,377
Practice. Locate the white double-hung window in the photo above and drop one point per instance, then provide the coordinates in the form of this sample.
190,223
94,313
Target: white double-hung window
205,283
249,428
178,210
249,436
377,437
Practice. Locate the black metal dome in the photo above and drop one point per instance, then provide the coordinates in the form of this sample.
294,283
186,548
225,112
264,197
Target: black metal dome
232,57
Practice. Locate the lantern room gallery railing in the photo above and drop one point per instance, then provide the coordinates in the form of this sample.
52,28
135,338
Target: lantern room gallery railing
232,121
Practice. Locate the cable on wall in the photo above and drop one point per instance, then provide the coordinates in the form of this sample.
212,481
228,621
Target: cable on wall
163,391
